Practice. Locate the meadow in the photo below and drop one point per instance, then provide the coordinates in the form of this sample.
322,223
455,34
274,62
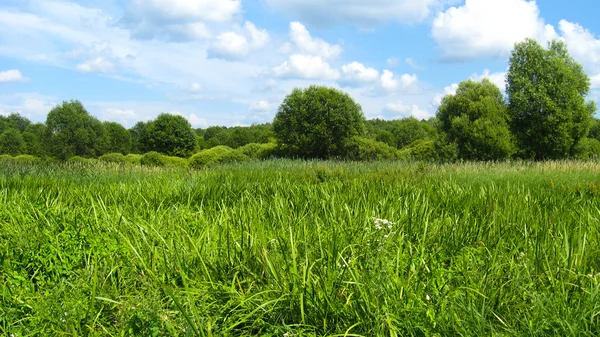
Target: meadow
300,248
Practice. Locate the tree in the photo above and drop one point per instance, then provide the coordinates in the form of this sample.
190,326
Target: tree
408,130
11,142
139,137
72,131
171,135
119,138
546,92
476,120
317,122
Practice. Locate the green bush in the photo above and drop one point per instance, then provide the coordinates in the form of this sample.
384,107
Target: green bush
117,158
217,155
26,158
358,148
175,161
588,148
133,158
421,150
6,157
259,151
153,159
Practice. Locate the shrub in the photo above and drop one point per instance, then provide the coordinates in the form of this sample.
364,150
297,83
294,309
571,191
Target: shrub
6,157
358,148
117,158
421,150
77,160
259,151
26,159
588,148
133,158
175,161
217,155
153,159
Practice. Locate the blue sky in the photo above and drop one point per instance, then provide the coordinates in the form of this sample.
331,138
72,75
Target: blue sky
231,62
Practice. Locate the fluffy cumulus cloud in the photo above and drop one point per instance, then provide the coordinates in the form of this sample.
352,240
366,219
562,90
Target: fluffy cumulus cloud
177,19
497,79
488,28
310,56
363,13
308,67
262,106
12,75
237,45
389,81
449,90
401,110
356,74
96,65
584,47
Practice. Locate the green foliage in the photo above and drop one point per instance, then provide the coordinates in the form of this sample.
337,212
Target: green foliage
259,151
26,159
119,138
169,134
11,142
364,149
72,131
316,122
424,150
77,160
234,137
153,158
175,161
476,120
139,137
116,158
216,155
587,148
14,120
135,159
546,90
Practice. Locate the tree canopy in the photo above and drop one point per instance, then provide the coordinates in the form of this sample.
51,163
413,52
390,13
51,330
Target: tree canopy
169,134
546,96
316,122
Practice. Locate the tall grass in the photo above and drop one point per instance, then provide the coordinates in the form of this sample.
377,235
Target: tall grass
293,248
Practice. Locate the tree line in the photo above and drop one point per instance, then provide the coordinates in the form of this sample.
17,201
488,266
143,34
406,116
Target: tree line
543,115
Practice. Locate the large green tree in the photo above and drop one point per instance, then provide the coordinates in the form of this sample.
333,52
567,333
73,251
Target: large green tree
546,94
119,138
72,131
316,122
475,118
11,142
169,134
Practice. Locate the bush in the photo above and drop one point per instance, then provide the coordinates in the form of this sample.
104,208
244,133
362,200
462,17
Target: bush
153,158
588,148
6,157
421,150
117,158
358,148
259,151
217,155
26,159
175,161
133,158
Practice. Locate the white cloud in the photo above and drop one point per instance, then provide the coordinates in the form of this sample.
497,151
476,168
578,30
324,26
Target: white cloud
306,67
195,87
312,46
584,47
261,106
390,82
449,90
496,78
31,105
356,74
488,28
237,45
12,75
363,13
177,19
197,121
96,65
393,61
403,110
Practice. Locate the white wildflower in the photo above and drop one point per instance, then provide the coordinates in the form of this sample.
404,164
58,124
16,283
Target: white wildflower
427,297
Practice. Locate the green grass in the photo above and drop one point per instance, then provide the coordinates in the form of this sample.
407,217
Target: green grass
290,248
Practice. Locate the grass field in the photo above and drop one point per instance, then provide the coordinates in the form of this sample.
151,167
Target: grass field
284,248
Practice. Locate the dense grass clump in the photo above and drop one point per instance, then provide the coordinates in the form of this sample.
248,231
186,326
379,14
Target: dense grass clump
153,159
116,158
216,155
296,248
259,151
